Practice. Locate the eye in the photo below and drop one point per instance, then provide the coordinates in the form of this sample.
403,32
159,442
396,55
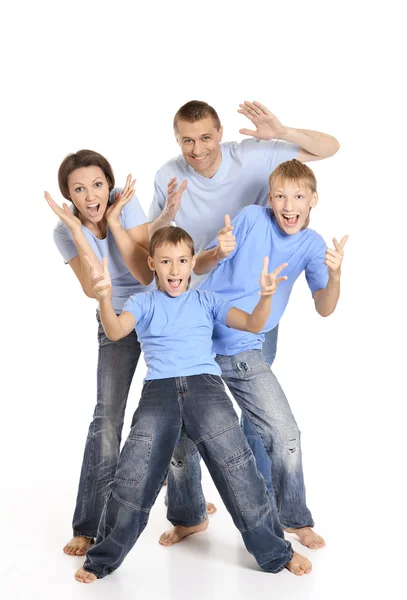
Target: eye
99,184
187,141
206,137
79,189
299,196
165,261
279,196
184,260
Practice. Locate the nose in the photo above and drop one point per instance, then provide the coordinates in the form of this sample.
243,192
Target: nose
91,195
289,204
197,148
174,270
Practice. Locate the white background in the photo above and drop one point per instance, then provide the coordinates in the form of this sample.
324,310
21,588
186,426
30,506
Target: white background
109,76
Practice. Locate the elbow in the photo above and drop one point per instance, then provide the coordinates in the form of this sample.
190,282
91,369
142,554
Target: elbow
146,279
335,146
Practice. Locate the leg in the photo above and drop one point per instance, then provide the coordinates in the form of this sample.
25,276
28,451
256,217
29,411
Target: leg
212,423
141,470
263,402
116,365
262,459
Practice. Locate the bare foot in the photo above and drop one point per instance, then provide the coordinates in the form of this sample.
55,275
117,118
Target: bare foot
78,546
299,565
308,537
177,533
210,508
84,577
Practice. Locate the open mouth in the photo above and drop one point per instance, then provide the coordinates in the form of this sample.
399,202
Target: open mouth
174,283
199,158
291,220
93,209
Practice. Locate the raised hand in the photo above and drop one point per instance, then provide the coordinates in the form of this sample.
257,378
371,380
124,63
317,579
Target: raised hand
269,281
226,240
64,213
268,127
334,258
122,198
174,195
100,279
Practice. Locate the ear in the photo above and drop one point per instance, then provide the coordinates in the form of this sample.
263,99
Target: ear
220,133
270,199
314,200
150,263
193,261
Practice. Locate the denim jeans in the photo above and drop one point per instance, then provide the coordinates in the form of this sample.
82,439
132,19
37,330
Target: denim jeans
199,406
261,399
262,460
117,362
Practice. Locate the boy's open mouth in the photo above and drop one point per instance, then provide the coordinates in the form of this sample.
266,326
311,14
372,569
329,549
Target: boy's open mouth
174,283
93,209
291,220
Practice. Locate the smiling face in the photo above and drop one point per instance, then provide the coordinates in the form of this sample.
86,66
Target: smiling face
291,202
89,191
173,265
200,145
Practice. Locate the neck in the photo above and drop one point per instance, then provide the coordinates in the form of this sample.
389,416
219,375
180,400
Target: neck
98,229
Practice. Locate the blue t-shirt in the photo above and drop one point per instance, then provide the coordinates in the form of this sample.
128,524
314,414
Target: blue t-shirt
237,277
123,282
176,333
241,179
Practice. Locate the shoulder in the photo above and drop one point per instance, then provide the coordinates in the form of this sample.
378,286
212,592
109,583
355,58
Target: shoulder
252,214
62,233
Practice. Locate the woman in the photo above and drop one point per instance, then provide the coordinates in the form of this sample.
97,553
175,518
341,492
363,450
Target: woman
102,223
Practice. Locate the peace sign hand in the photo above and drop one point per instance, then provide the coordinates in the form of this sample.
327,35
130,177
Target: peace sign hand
333,258
269,281
122,198
226,240
174,195
100,280
268,127
66,216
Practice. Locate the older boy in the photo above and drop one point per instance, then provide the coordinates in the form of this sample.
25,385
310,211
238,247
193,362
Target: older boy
183,392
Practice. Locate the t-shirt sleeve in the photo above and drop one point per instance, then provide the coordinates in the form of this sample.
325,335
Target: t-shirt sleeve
220,307
316,271
158,202
272,152
139,305
242,222
64,242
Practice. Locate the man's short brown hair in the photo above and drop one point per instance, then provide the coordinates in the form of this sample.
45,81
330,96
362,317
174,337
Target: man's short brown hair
195,110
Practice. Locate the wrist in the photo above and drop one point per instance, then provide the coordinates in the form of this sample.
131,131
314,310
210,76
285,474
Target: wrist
114,223
219,254
285,134
335,276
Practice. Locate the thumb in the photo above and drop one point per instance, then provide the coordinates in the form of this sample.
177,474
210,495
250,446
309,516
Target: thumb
104,265
250,132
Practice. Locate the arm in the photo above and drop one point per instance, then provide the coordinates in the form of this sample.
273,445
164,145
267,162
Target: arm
132,243
207,260
171,207
327,299
256,321
116,326
78,264
314,145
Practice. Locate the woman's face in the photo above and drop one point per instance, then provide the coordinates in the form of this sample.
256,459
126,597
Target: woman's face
89,191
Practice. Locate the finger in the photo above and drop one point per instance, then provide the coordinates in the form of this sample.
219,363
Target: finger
249,132
282,278
103,288
265,269
279,269
331,264
227,222
128,182
104,265
98,279
66,208
183,186
337,246
261,107
252,108
343,241
172,181
332,253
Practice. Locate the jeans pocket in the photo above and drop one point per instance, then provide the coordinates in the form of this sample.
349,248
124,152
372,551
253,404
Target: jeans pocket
134,459
249,487
212,380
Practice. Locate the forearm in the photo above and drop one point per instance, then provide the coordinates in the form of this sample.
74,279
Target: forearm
327,299
258,319
163,220
110,321
320,144
207,260
84,249
133,254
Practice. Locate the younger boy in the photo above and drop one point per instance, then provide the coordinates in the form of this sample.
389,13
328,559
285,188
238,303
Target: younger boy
281,233
184,393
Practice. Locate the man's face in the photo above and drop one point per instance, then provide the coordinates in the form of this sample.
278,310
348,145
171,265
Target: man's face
173,265
291,202
200,145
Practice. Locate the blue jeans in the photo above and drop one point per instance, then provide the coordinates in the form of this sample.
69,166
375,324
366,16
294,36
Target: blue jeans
198,406
261,399
262,460
117,362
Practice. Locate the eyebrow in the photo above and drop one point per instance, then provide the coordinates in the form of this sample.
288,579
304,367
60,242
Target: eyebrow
79,183
183,256
283,191
189,137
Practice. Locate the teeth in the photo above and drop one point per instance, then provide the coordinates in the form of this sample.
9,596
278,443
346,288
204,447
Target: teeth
93,205
290,216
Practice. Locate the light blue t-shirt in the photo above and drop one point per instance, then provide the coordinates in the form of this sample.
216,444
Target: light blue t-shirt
241,179
176,333
123,282
237,277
